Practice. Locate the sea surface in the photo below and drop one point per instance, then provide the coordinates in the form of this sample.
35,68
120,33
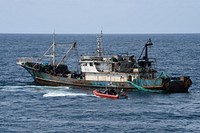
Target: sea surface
26,107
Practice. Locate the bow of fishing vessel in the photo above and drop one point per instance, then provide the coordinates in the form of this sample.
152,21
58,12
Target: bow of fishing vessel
99,70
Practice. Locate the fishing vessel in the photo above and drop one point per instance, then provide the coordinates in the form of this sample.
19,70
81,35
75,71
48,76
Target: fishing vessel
99,70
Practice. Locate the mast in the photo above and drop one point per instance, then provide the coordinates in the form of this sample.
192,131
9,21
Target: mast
53,50
149,43
50,53
99,50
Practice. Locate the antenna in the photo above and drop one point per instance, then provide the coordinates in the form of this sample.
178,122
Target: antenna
54,36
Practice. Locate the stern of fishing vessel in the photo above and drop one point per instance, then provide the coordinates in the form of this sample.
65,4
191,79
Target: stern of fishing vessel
177,84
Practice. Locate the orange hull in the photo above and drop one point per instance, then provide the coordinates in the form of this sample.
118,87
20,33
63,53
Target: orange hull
96,93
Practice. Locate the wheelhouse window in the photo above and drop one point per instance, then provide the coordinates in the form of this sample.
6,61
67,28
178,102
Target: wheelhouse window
91,64
96,63
84,64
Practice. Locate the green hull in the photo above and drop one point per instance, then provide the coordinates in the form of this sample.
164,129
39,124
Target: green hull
150,85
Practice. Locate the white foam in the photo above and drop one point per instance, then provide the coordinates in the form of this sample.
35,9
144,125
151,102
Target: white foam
13,88
62,94
54,87
48,91
10,88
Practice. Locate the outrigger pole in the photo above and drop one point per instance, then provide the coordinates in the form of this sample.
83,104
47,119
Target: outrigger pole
62,60
53,54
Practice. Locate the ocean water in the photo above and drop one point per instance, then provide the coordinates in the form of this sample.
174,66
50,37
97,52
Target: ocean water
26,107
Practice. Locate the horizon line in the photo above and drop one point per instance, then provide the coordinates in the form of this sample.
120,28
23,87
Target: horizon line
103,33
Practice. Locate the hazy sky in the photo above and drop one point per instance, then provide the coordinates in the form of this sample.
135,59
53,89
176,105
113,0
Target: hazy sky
90,16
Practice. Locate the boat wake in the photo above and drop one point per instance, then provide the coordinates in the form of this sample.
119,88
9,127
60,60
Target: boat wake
31,87
47,91
63,94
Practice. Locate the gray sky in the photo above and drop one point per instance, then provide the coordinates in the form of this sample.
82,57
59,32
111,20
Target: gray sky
90,16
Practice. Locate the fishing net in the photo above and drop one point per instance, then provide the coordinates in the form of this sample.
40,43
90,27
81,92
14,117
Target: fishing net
139,83
143,89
